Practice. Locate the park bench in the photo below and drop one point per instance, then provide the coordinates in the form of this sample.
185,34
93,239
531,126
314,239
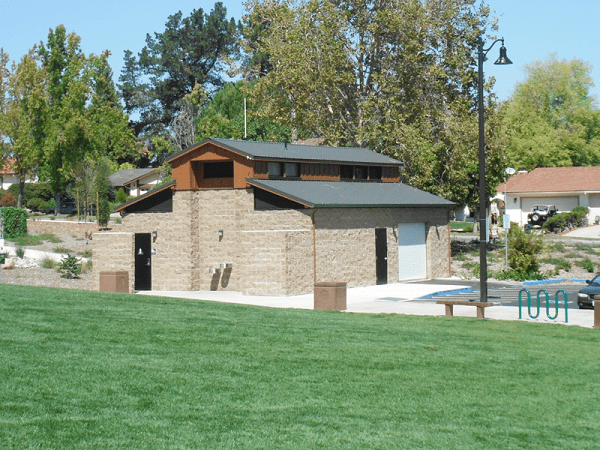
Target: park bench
450,306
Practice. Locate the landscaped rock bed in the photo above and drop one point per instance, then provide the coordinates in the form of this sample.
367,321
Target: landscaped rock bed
559,253
28,271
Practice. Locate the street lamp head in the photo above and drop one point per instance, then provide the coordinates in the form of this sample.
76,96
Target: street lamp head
503,59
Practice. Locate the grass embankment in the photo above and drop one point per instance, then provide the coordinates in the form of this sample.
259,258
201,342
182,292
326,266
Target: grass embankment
97,370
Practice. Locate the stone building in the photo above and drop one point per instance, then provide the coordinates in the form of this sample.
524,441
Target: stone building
274,218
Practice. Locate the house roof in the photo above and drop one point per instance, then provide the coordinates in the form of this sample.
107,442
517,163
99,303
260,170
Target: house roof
150,193
8,167
554,179
325,194
126,176
278,151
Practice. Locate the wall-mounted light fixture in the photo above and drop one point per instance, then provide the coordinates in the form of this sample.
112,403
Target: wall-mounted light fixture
154,234
226,265
220,233
214,270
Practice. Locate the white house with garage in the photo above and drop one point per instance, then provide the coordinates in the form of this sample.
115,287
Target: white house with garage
563,187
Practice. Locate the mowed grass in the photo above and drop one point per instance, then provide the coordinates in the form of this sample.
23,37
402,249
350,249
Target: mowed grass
85,370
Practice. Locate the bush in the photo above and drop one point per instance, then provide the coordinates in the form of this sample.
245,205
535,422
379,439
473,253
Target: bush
69,267
121,196
523,249
15,222
32,190
8,200
37,204
562,221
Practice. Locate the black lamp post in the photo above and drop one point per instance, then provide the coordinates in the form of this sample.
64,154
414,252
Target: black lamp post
502,60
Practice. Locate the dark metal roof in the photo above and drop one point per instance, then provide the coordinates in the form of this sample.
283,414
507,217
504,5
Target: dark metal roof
326,194
125,176
279,151
150,193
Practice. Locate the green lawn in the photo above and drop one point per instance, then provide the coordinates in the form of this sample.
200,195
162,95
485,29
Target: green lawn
86,370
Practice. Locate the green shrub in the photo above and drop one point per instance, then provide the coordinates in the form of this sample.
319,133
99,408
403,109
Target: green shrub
587,264
121,196
32,190
37,204
561,221
69,267
15,222
20,252
523,249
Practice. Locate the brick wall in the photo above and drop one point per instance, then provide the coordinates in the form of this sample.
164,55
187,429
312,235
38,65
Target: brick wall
114,251
272,252
65,227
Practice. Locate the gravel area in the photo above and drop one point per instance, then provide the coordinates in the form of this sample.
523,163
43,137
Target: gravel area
28,271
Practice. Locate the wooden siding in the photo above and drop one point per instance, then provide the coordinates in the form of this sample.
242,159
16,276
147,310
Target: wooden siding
187,169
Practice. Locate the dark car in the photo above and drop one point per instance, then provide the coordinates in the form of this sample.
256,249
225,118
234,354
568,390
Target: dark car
539,214
67,207
587,295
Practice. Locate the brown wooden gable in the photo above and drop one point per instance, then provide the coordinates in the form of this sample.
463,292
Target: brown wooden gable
205,167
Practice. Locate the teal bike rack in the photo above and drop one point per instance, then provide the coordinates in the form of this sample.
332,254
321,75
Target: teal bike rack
538,303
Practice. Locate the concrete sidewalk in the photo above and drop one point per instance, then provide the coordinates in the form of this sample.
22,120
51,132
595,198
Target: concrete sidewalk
397,298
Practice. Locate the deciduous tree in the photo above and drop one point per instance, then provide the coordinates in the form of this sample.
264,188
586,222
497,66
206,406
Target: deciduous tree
23,113
83,116
396,76
552,119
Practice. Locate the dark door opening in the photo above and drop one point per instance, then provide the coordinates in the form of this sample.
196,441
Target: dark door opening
143,262
381,255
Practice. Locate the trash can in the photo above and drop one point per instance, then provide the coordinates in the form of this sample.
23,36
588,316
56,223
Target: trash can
330,296
117,281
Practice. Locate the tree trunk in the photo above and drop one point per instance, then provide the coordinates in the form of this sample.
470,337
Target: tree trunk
21,195
57,206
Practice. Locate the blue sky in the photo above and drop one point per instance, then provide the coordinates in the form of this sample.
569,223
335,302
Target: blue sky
532,29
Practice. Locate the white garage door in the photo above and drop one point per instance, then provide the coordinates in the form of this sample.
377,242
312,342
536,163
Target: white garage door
412,251
563,204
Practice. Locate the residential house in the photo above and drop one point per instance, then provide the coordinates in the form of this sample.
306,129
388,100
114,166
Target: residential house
274,218
134,181
563,187
9,176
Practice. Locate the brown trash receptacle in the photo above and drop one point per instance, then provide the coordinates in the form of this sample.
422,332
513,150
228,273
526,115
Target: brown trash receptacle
330,296
114,282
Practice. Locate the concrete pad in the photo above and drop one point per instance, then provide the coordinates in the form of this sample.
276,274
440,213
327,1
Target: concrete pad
397,298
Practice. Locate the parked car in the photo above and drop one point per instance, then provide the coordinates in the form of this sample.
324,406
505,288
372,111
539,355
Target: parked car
587,295
67,207
539,214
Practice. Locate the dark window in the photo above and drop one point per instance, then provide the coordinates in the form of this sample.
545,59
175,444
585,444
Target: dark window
347,172
275,169
374,173
361,172
292,170
218,169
